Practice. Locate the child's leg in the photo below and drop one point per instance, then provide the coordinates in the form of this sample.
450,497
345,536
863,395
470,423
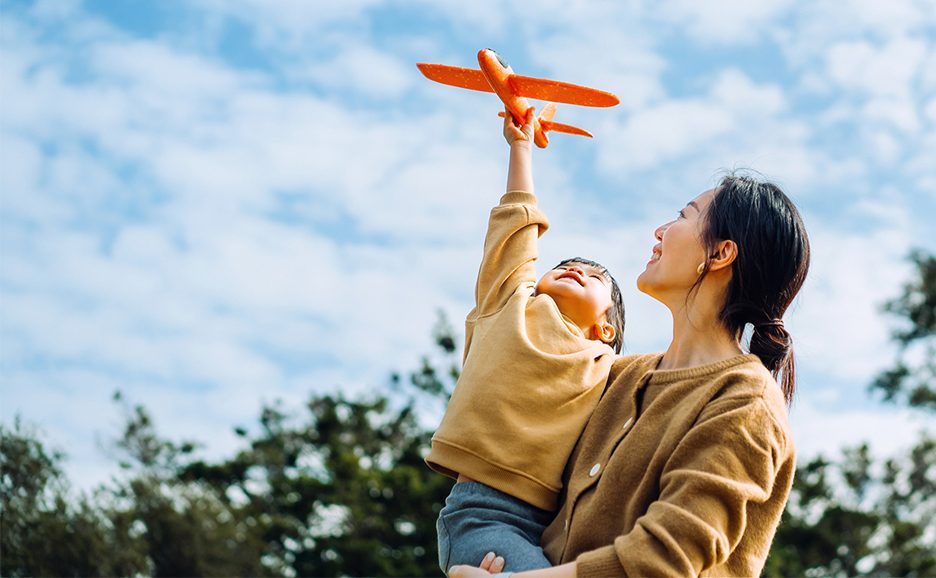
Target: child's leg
478,519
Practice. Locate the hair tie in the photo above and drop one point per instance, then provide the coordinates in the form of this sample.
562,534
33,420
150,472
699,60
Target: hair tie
771,323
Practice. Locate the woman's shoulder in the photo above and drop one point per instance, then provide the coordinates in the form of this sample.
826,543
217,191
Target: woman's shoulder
748,389
749,378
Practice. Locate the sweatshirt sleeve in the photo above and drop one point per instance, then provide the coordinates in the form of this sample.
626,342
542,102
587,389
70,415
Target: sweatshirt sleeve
732,461
509,251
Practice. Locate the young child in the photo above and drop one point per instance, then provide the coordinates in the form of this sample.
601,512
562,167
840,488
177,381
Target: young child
537,356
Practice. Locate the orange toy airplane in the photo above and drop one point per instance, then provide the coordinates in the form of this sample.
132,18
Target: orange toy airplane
496,76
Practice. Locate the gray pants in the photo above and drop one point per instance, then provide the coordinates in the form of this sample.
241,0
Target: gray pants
478,519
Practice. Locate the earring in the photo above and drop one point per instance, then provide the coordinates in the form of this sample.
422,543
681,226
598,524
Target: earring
701,268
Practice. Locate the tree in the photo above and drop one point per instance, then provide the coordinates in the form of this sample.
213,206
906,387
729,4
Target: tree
857,517
339,490
186,528
914,382
347,491
45,531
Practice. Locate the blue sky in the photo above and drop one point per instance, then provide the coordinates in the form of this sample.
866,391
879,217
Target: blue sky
209,205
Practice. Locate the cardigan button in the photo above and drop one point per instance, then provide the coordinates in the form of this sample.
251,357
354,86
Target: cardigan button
567,525
628,422
594,469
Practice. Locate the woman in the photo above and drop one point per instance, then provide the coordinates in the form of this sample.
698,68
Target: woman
686,464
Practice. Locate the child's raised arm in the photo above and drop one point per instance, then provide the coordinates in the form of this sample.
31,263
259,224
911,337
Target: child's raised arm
520,139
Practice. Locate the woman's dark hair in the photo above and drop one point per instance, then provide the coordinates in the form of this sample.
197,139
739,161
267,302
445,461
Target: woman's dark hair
772,261
615,313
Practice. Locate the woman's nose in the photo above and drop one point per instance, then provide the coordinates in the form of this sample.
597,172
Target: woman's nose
660,230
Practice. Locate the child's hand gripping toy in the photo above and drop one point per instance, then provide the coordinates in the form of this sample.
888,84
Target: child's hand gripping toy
496,76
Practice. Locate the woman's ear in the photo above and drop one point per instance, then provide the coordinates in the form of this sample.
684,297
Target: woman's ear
725,254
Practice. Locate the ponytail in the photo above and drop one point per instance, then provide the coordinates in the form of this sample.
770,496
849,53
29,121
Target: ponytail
771,266
773,345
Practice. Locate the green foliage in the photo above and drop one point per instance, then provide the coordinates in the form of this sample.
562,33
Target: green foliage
870,520
185,528
47,532
345,492
341,489
857,517
914,383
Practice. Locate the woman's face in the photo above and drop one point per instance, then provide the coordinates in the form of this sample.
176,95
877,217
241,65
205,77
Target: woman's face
673,267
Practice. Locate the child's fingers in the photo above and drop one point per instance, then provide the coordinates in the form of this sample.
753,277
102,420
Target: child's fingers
508,119
528,122
512,129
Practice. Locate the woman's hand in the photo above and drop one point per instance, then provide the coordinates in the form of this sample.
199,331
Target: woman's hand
515,133
495,565
490,565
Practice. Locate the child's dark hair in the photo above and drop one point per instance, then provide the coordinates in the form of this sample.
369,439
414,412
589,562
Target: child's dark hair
772,261
615,313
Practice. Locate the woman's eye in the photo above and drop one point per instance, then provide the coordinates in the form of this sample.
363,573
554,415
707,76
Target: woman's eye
682,214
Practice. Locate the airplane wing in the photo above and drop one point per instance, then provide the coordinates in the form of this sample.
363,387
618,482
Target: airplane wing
469,78
538,88
555,91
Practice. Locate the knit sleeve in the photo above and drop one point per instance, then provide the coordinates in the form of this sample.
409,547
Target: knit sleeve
509,251
728,466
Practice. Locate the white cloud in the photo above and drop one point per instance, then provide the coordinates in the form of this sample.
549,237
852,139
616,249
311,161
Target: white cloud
838,320
365,71
887,433
820,24
886,71
669,130
606,54
897,113
737,115
931,110
737,92
289,26
725,21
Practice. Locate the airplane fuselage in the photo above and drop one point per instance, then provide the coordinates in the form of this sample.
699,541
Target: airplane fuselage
497,72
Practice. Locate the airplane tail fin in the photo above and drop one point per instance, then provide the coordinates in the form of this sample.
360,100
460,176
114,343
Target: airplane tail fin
566,128
547,113
545,119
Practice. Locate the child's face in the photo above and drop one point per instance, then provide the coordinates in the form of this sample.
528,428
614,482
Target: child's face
582,292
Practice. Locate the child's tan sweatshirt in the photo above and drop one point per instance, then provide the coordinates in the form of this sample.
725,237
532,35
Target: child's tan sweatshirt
530,378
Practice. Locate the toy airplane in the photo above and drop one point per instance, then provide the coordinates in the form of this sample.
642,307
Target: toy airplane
496,76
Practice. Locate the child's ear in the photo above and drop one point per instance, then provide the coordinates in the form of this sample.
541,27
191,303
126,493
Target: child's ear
604,332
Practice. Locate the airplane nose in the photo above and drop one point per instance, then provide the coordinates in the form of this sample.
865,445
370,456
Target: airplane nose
500,59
